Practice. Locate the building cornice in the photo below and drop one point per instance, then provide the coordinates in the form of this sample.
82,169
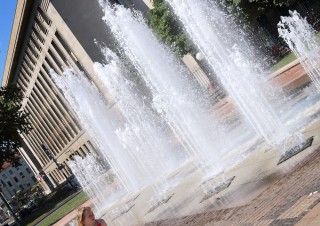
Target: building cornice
19,27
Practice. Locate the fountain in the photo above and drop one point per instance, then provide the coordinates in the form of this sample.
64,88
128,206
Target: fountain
135,142
145,137
149,137
227,52
100,184
175,95
303,42
301,39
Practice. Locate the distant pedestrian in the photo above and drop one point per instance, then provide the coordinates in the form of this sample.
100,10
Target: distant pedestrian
86,218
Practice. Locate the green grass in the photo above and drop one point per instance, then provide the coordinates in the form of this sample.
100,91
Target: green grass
46,204
61,212
283,62
288,59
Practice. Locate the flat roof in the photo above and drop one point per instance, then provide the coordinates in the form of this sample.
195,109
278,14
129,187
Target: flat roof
19,27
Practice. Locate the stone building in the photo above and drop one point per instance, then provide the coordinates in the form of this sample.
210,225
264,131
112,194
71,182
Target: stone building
52,35
13,179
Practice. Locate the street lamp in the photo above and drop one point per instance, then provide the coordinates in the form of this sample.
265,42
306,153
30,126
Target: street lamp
199,56
59,165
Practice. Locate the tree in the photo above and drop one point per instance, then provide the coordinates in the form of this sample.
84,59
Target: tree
168,28
254,8
263,2
13,122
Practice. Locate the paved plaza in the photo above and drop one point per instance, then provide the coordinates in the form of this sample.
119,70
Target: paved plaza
258,190
289,199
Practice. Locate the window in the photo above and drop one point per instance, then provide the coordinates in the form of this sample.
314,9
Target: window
21,175
82,152
21,187
14,191
86,148
15,179
34,179
8,182
4,176
28,185
90,145
28,170
10,171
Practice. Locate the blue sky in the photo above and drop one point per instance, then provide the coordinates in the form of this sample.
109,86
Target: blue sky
7,10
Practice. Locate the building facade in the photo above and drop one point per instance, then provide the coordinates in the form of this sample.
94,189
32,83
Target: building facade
45,36
14,179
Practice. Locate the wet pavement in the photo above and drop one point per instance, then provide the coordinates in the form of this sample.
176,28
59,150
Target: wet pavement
254,191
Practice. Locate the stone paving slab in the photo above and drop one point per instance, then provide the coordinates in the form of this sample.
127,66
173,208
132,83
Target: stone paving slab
311,218
300,206
295,192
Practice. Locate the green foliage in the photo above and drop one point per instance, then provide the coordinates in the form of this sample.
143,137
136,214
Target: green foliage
168,28
254,8
13,121
286,60
262,3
